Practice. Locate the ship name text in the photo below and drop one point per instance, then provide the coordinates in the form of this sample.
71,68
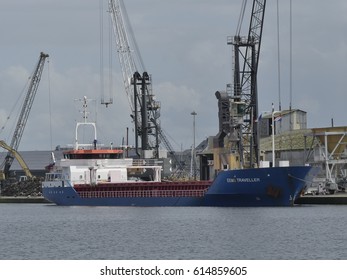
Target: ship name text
243,180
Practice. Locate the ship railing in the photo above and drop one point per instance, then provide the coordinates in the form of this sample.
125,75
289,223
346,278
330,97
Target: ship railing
147,162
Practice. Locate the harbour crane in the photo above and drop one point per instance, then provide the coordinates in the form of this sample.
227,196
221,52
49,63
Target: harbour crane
145,110
24,114
137,85
243,92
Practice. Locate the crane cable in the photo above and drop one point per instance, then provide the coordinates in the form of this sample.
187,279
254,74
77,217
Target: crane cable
15,105
49,104
106,99
101,26
290,55
278,58
110,60
242,15
132,38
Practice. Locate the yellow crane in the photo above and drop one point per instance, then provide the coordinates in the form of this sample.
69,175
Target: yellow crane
18,158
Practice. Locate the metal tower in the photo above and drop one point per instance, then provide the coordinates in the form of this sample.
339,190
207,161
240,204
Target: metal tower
243,92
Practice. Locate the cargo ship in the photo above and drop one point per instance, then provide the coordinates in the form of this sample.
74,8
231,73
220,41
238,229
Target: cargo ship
85,179
90,175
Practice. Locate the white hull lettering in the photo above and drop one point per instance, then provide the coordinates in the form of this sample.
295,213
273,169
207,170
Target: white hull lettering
243,180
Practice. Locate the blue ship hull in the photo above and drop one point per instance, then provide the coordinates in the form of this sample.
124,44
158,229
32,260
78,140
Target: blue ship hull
278,186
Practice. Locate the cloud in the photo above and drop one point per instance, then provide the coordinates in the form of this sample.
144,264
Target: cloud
183,45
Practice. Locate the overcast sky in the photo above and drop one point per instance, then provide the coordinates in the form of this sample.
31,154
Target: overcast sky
184,47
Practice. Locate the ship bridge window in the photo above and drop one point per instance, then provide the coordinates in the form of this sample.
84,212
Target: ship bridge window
94,156
111,156
104,155
53,176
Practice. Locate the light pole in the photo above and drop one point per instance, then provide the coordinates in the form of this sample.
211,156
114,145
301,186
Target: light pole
194,156
273,134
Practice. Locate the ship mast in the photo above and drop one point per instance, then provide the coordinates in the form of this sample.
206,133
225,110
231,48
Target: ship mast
85,114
